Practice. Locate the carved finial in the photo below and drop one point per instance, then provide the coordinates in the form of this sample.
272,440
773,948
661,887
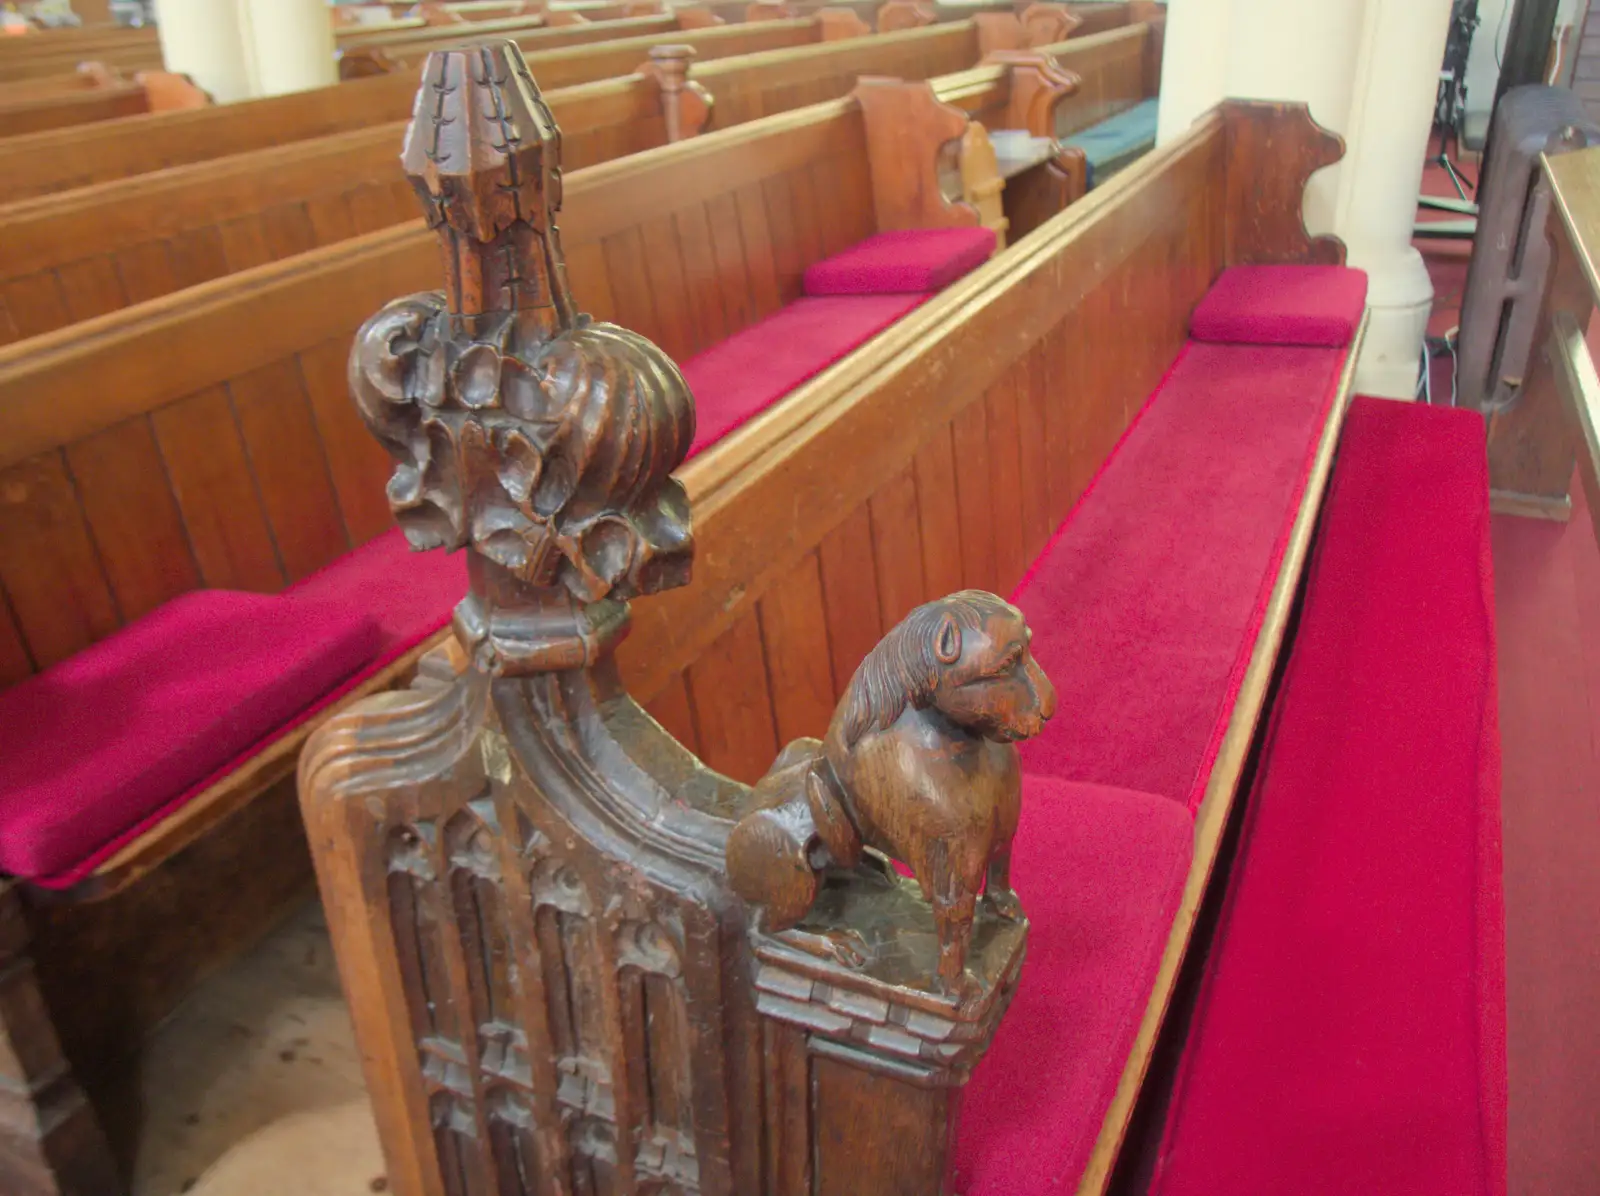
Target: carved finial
539,440
919,763
685,104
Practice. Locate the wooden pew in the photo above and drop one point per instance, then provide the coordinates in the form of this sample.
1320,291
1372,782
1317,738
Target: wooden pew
381,53
66,258
942,457
62,105
251,474
39,164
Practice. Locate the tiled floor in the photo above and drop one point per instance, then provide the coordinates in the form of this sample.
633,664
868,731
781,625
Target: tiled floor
254,1087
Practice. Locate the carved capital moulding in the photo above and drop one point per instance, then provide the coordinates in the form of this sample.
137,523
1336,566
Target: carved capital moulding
578,960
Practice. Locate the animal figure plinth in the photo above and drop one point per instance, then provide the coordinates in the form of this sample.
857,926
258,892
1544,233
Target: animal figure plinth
919,764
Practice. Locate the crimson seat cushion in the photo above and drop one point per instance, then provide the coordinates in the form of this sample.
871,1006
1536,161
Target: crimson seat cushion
410,595
1146,603
94,744
1100,873
1318,306
904,261
745,374
1350,1029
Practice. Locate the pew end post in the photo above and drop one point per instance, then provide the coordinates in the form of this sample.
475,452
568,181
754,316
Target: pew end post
686,106
568,945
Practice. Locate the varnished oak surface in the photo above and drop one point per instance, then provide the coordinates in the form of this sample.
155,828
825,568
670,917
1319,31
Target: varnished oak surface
67,257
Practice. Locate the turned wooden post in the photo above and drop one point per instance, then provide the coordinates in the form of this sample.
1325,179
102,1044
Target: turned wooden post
50,1140
579,961
685,105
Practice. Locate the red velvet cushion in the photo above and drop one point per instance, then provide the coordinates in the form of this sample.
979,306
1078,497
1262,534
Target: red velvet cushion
92,745
910,260
1100,873
1145,605
1350,1032
410,594
1282,305
751,370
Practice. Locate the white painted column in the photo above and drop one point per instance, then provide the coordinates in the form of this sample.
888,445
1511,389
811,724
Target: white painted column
201,39
291,44
1194,63
1367,69
1391,117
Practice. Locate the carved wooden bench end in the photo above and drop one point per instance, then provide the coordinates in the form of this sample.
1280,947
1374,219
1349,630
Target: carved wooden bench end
534,890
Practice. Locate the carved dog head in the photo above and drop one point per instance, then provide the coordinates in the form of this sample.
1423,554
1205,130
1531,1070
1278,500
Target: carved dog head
966,655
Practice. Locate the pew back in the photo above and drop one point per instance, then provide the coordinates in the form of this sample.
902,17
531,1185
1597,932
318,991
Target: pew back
70,257
43,163
207,439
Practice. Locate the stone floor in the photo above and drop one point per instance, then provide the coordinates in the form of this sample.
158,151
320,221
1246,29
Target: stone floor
254,1087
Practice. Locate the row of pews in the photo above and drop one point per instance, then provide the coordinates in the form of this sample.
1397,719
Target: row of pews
740,838
861,641
178,294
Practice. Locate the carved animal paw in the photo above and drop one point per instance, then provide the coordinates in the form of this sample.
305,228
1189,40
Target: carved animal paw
1004,902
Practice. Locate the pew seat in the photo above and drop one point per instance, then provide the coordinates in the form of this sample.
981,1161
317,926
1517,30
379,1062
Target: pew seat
151,717
1145,607
849,298
1113,143
1349,1028
331,633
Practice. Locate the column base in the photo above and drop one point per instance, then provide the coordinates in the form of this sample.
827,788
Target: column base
1399,302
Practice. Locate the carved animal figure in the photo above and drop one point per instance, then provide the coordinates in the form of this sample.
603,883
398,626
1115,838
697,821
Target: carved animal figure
919,762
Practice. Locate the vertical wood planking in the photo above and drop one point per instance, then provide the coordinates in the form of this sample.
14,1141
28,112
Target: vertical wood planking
91,287
358,463
782,227
290,470
935,468
897,547
35,304
132,516
757,238
672,709
794,631
733,707
146,271
586,275
197,256
330,218
700,277
287,230
970,433
850,594
664,268
807,230
722,213
1005,484
1033,466
200,442
244,243
630,283
48,565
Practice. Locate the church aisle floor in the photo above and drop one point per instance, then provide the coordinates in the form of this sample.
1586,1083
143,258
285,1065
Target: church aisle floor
254,1088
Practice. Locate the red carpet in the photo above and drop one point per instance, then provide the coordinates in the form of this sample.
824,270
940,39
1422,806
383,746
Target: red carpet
1547,594
1349,1034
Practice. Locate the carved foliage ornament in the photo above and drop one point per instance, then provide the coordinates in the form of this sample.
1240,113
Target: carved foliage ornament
521,429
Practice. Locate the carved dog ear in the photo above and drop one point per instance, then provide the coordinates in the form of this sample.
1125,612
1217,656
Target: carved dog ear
947,640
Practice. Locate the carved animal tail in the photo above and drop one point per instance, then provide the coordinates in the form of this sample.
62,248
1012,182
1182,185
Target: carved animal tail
830,811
